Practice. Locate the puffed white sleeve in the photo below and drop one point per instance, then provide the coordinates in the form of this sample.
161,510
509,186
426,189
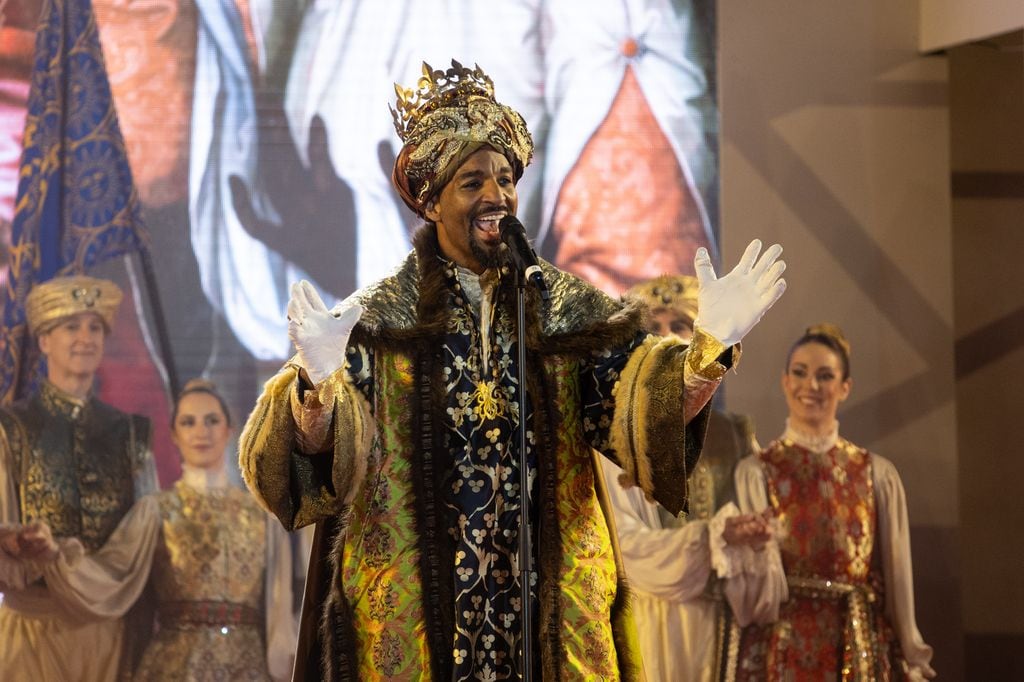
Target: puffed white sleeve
897,569
755,581
281,624
107,582
668,563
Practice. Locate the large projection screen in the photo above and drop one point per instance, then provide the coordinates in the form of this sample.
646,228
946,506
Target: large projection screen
261,145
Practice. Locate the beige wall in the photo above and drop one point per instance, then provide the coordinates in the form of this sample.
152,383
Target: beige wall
987,124
835,143
945,23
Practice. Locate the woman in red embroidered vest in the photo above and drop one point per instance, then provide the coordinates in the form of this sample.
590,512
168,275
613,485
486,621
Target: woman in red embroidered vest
843,538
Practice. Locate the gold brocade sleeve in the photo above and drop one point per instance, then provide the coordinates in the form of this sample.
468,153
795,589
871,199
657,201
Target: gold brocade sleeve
704,370
661,413
297,487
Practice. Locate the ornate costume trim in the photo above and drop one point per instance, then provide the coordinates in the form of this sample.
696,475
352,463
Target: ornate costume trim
411,307
448,116
650,392
814,442
61,297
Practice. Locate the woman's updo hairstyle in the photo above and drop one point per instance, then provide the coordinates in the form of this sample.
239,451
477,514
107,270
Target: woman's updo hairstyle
200,385
828,335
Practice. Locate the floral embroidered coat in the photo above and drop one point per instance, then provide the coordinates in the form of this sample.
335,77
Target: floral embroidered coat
415,492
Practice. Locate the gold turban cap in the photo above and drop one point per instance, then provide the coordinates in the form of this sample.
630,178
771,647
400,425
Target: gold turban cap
675,292
50,302
445,119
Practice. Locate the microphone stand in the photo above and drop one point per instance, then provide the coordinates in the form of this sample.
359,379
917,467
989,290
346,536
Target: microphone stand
525,541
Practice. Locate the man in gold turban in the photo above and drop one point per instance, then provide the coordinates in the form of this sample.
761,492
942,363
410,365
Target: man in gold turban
70,468
394,426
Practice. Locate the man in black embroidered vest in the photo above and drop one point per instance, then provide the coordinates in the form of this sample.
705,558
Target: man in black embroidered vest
393,428
70,468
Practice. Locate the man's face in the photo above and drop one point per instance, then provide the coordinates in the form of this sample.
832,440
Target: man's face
75,346
467,211
665,321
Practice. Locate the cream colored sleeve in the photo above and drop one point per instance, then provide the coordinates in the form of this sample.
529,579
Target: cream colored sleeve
755,582
668,563
106,583
281,624
897,568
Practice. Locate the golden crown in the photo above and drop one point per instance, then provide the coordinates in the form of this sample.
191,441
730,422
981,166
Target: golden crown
435,90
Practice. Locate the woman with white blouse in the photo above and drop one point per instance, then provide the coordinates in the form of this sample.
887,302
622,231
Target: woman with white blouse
843,535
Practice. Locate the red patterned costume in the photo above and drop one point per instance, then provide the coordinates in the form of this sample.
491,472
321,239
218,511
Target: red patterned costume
843,540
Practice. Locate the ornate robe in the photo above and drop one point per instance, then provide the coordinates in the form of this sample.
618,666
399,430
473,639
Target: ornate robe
78,466
416,488
846,552
221,577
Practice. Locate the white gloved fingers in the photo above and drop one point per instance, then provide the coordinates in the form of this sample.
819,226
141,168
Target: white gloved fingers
295,332
770,255
769,298
296,313
296,303
768,278
703,268
312,297
348,315
749,257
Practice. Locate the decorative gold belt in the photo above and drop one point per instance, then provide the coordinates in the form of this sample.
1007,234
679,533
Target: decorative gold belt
176,614
826,588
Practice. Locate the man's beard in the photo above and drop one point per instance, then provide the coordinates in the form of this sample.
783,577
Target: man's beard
488,257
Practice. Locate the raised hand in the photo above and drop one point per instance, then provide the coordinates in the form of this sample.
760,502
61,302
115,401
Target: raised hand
317,226
320,335
729,306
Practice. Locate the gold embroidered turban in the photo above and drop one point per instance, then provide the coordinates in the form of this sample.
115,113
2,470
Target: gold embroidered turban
675,292
52,301
446,118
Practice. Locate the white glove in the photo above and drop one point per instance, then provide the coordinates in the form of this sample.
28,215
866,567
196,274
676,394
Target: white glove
728,308
320,335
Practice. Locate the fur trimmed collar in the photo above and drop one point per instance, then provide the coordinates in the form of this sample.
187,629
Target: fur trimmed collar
413,304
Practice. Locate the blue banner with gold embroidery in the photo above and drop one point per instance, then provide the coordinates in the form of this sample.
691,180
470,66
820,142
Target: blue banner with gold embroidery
76,204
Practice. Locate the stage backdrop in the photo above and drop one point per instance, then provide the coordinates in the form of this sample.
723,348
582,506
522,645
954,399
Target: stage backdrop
261,143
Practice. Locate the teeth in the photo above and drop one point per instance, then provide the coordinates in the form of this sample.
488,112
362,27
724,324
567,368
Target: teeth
489,222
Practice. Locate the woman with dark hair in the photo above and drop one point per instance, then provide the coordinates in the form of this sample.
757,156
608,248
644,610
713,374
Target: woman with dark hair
221,572
843,535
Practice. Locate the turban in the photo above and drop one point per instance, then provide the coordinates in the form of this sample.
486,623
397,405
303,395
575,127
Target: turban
448,117
52,301
677,293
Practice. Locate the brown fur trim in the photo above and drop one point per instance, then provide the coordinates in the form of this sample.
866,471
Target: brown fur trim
654,453
436,555
337,635
354,429
412,306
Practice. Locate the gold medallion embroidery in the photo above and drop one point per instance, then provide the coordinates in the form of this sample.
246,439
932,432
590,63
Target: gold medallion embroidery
490,403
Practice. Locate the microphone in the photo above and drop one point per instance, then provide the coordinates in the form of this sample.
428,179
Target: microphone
514,235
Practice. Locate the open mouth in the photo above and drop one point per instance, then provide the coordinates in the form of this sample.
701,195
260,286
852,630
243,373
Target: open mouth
487,224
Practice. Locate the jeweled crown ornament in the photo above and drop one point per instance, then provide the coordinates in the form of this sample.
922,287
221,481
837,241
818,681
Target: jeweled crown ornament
445,118
437,89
